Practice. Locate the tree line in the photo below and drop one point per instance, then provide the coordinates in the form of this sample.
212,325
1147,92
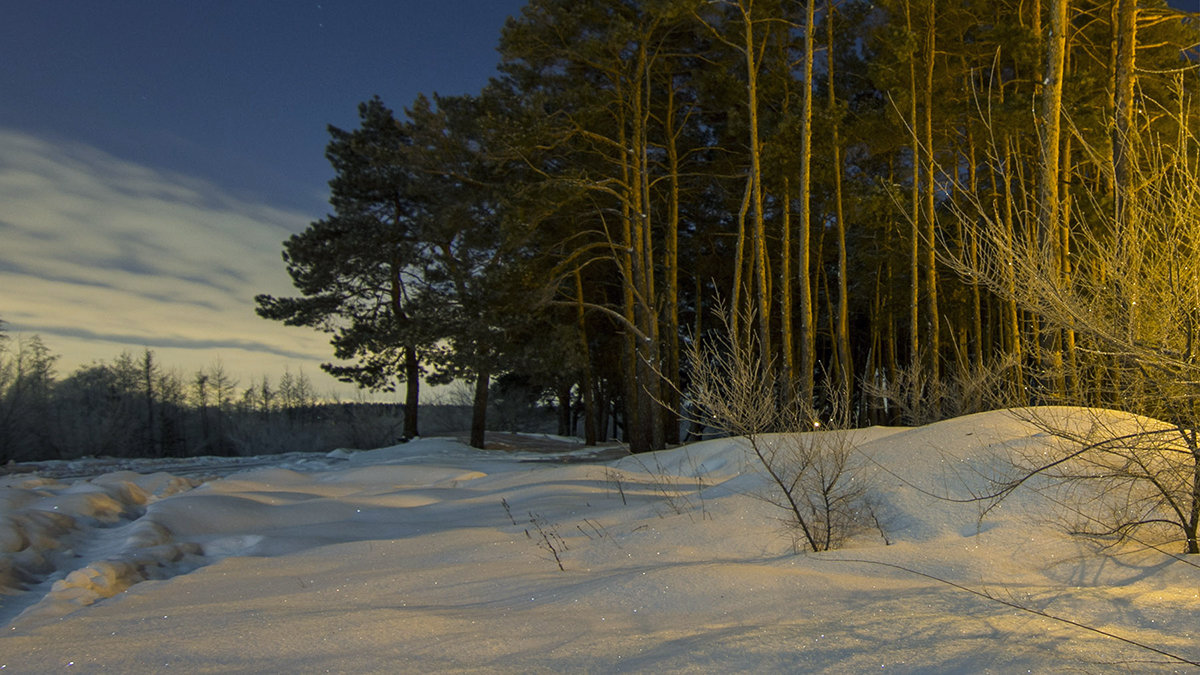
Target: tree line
850,184
133,406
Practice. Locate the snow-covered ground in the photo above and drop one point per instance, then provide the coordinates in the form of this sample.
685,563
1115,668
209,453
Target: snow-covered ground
431,556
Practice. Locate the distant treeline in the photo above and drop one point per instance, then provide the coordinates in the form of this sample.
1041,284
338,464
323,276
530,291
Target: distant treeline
133,406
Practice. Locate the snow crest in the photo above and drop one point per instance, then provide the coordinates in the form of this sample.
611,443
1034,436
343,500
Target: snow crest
66,545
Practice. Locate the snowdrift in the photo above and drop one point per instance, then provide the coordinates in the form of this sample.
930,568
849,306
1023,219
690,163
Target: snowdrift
431,556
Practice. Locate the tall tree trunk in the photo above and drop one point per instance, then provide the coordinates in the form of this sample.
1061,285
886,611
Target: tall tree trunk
914,297
760,284
736,312
787,336
671,271
1012,319
479,409
1064,255
1048,225
1123,130
589,404
807,323
629,276
842,327
931,275
412,391
973,246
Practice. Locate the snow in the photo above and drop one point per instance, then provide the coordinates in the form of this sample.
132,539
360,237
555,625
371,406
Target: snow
432,556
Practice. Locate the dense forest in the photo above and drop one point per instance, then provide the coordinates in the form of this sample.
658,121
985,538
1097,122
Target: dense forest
918,208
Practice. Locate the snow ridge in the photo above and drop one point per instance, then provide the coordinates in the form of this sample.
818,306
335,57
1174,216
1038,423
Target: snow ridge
64,546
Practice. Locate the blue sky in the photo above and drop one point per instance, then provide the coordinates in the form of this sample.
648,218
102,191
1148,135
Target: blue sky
154,154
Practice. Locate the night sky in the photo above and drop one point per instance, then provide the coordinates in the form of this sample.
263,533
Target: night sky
154,154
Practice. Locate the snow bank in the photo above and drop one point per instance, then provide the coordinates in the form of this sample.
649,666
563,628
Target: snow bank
431,556
49,527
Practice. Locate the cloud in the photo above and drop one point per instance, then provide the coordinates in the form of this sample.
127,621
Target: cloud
98,255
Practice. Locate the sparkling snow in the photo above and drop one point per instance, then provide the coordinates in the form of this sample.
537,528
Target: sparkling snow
432,556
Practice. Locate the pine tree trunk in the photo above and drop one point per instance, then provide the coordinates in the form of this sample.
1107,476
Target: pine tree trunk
412,393
787,336
931,276
671,271
842,329
760,286
914,297
1048,205
589,404
479,409
807,324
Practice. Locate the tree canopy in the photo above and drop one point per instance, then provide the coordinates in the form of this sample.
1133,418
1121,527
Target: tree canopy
638,166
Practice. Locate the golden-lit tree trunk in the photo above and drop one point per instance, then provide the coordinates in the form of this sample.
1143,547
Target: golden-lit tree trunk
671,272
787,337
931,275
1064,255
739,294
629,302
1049,225
1125,43
1012,317
761,285
842,322
973,247
914,298
807,322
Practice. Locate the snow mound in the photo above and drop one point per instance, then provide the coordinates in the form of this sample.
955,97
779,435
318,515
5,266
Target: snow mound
431,556
48,527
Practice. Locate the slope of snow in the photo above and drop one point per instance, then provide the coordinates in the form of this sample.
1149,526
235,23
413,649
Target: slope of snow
431,556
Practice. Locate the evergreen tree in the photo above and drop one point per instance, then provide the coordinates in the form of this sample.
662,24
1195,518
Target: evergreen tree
354,269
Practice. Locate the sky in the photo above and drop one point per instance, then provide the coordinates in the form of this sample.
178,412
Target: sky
155,154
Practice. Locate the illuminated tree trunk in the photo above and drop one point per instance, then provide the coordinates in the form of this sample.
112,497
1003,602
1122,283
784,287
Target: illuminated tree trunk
1048,203
842,323
1126,46
931,276
787,336
914,297
758,239
671,272
807,322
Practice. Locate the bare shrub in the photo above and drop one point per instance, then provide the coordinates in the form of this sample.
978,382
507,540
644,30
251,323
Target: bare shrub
914,398
817,475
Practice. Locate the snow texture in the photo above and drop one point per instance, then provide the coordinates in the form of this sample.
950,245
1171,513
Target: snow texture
432,556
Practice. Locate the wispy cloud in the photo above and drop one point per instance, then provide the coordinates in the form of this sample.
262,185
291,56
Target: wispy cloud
98,255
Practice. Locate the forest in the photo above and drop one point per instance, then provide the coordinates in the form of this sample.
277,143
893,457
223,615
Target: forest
905,210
